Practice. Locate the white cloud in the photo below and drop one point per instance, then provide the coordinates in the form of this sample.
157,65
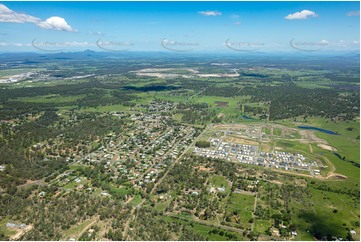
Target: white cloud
304,14
324,42
2,44
9,16
78,44
353,13
235,16
345,44
56,23
210,13
237,23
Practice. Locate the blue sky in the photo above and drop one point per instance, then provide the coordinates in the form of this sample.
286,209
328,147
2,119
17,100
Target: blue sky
179,26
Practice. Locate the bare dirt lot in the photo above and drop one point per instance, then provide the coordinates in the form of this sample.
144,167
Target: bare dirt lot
239,140
230,126
21,232
202,168
311,136
221,104
266,147
326,147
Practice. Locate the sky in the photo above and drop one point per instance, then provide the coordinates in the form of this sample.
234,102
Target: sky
179,26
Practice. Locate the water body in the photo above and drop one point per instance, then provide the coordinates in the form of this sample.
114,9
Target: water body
246,117
318,129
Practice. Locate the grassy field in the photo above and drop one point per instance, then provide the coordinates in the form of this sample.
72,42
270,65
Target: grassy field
288,145
211,101
277,131
346,144
120,190
219,181
312,84
243,204
161,206
75,166
10,72
260,226
203,229
178,117
266,130
164,96
231,112
76,231
332,213
136,200
73,184
50,99
109,108
293,135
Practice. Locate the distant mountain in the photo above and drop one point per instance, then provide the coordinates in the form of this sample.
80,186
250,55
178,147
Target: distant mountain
91,54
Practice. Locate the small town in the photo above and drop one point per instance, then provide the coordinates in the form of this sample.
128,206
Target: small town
141,155
250,154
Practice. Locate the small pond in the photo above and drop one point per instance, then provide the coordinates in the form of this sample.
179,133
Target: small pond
317,129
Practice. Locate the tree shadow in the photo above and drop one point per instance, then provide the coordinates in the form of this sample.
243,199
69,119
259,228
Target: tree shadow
322,227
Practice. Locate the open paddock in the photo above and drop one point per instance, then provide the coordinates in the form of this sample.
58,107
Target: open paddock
221,104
